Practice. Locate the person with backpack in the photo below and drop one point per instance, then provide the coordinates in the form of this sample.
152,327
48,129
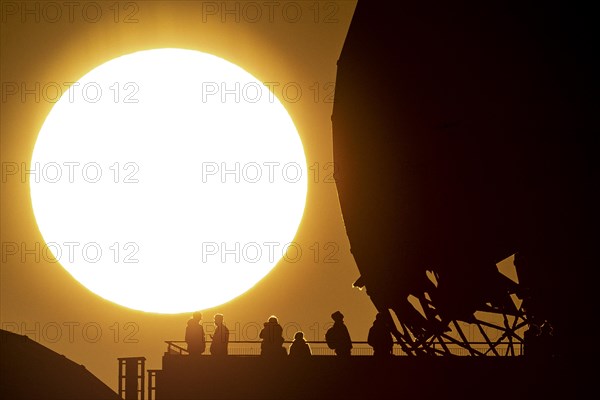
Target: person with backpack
338,337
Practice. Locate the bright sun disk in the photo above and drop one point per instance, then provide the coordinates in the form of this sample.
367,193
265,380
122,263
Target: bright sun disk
170,180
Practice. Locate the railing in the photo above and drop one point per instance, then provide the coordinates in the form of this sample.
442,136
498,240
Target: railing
320,348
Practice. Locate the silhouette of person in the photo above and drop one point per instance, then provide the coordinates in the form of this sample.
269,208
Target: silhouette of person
272,339
194,335
299,347
337,337
220,339
546,339
531,340
380,337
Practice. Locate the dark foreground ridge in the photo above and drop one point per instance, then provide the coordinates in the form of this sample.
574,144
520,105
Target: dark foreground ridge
29,371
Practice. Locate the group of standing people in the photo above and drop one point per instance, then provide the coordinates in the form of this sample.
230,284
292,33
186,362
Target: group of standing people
380,336
337,338
272,341
196,340
539,340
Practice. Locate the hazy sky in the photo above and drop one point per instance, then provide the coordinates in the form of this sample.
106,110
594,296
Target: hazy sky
293,43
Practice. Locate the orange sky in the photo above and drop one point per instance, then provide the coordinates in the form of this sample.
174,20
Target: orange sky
295,43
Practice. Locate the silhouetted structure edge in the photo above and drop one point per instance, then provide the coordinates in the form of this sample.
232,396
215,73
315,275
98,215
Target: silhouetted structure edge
29,370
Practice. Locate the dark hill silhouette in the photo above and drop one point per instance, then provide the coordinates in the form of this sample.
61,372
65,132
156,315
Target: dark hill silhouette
30,371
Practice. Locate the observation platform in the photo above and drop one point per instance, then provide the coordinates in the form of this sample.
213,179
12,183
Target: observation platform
244,374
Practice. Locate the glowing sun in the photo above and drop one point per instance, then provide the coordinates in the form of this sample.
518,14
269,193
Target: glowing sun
168,180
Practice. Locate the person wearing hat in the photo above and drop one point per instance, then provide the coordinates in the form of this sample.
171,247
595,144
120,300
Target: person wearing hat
338,337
